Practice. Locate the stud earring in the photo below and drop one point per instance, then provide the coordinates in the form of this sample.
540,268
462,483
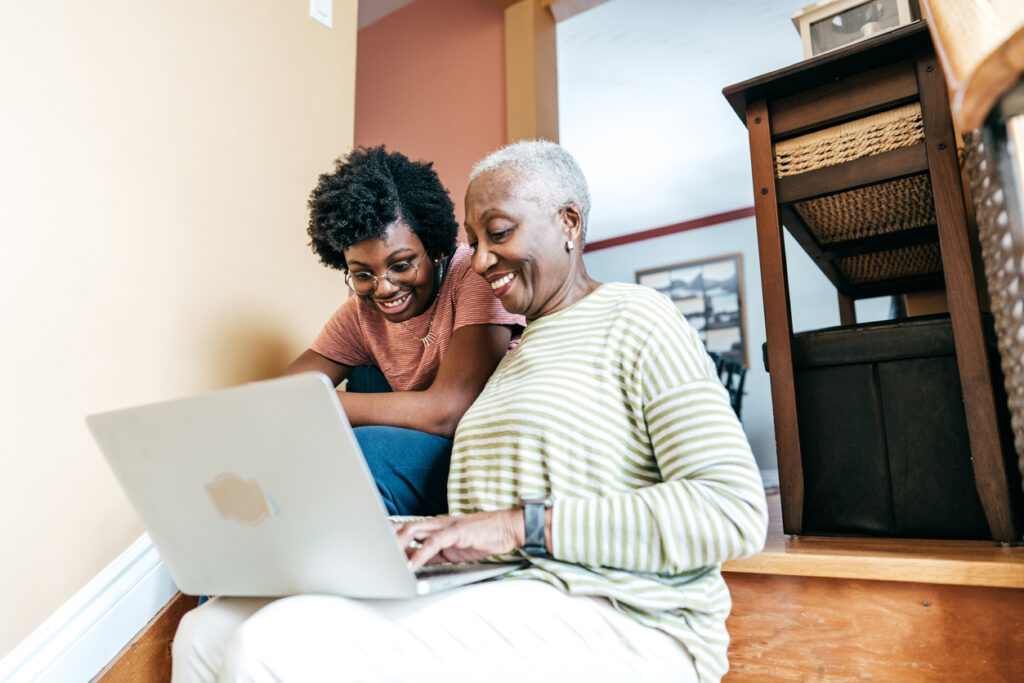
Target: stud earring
569,245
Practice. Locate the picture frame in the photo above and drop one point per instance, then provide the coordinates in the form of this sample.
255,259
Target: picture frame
709,294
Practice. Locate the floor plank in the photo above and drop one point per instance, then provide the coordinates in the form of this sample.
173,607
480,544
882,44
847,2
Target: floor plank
148,656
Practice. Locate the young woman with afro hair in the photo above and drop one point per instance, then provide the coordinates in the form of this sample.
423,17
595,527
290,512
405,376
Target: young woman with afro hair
419,313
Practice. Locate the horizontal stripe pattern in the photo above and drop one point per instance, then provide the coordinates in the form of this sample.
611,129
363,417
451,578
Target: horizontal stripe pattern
613,407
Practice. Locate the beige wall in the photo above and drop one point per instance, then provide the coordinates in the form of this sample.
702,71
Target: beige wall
155,159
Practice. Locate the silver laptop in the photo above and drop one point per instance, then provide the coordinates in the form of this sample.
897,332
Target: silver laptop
262,490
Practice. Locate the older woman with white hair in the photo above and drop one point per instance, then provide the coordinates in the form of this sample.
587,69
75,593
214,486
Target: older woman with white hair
603,450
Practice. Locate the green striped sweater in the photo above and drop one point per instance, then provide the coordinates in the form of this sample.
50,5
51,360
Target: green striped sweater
613,407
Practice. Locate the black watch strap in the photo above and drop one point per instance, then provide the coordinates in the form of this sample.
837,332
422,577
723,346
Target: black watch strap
534,519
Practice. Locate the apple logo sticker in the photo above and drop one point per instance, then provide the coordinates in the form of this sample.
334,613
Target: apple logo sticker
240,500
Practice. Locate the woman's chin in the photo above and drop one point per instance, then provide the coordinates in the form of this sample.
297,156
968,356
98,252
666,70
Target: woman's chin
514,304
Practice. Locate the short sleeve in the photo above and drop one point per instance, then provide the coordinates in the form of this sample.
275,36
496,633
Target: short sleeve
341,338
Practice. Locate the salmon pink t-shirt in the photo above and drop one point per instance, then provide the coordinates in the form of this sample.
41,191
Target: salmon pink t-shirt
357,334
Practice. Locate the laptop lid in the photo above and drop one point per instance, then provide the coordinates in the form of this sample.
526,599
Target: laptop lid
258,490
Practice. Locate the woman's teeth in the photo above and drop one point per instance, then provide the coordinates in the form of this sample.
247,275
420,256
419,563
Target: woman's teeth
395,303
501,282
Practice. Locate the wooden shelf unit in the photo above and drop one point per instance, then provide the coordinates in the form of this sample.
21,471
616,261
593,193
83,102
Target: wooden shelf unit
868,77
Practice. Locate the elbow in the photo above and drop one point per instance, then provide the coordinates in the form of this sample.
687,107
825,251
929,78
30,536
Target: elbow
444,427
751,545
755,533
444,417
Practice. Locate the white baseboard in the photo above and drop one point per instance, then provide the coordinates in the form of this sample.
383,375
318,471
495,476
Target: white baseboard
84,634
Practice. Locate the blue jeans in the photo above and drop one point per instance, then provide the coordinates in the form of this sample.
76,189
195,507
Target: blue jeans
410,468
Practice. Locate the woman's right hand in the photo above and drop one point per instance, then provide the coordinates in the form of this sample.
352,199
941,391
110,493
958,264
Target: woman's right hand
461,538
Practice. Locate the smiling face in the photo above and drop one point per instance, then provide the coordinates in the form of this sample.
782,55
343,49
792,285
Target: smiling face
520,247
401,251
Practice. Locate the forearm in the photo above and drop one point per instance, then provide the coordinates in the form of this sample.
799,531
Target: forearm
673,526
710,506
425,411
473,353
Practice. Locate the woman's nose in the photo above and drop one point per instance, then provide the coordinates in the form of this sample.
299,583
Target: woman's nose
385,285
483,259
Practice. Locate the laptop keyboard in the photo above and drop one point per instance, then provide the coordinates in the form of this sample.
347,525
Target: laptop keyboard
450,569
454,569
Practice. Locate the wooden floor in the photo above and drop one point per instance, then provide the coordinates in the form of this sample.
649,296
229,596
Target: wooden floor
148,657
818,609
838,609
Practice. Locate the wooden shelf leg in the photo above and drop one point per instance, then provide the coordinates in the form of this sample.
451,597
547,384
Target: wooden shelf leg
847,310
962,296
777,319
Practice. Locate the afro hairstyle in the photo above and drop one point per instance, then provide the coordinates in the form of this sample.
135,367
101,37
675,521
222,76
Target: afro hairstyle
369,189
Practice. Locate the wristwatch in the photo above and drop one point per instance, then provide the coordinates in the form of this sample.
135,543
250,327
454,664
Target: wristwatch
533,517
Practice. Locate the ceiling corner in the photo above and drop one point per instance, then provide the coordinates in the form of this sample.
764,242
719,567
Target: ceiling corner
564,9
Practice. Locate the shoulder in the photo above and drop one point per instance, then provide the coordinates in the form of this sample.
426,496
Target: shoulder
635,301
652,319
462,279
640,295
470,296
461,263
349,312
627,314
357,317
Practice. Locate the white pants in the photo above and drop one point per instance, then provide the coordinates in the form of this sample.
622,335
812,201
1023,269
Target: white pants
512,630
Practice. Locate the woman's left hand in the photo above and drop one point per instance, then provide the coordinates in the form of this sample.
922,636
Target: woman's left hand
462,538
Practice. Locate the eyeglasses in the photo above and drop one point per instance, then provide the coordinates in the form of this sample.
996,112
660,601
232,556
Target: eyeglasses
398,274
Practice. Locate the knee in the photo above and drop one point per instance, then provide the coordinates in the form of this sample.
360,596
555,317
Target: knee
243,655
396,448
198,645
249,648
372,435
189,660
274,643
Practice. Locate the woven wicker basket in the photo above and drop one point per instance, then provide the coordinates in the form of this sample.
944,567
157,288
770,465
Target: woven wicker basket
873,210
919,259
887,207
875,134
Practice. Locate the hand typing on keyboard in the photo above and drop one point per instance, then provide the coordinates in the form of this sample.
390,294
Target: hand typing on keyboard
461,538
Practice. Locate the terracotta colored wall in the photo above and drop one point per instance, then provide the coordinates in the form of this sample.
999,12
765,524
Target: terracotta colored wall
430,83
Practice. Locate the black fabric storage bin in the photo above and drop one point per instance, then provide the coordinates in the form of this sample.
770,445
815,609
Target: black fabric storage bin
883,436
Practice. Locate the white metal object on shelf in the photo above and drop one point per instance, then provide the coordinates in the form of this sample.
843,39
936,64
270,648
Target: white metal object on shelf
830,24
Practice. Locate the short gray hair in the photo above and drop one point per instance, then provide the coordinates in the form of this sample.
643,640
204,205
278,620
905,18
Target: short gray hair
546,172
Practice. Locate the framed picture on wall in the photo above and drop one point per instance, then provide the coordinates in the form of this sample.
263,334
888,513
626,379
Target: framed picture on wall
709,292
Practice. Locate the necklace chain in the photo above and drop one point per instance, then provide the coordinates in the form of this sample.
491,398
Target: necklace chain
427,340
431,337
